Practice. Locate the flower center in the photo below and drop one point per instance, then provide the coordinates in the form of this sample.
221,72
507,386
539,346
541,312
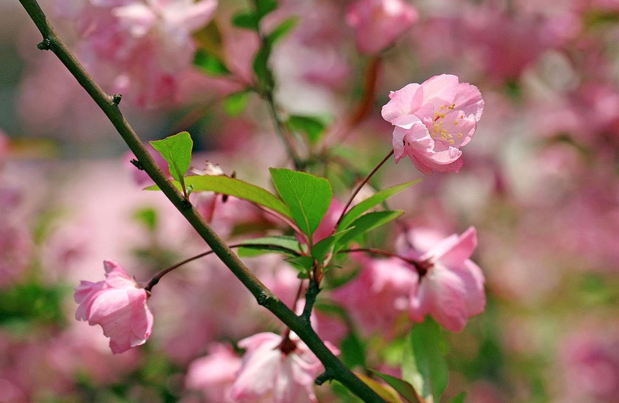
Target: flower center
443,116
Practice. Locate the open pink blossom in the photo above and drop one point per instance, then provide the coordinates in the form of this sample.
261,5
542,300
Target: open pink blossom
276,372
432,121
118,304
450,287
378,23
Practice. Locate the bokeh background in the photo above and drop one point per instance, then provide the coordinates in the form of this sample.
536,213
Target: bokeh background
539,182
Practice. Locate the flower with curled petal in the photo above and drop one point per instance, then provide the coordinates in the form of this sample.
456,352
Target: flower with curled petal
432,121
118,304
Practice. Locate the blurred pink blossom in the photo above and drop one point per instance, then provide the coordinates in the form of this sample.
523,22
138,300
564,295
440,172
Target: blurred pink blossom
276,370
432,121
452,288
118,304
379,23
148,43
215,373
591,363
385,282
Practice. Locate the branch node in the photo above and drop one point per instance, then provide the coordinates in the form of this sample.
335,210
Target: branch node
263,299
137,164
45,44
116,98
324,377
186,204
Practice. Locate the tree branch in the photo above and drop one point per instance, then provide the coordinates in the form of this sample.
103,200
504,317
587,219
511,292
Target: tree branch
109,105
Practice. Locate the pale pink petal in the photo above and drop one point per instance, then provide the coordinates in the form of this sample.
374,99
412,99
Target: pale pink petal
257,374
403,102
447,294
440,90
136,18
459,250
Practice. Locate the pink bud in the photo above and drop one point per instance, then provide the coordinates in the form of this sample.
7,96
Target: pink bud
118,304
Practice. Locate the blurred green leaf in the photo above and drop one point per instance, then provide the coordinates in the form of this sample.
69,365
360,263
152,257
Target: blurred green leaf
352,351
423,362
307,196
261,67
384,391
459,398
368,222
209,64
176,150
373,201
147,216
303,263
264,7
237,188
246,20
311,126
404,388
234,104
282,29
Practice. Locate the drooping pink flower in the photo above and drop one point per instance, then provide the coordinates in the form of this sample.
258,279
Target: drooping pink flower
276,372
451,286
432,121
118,304
378,23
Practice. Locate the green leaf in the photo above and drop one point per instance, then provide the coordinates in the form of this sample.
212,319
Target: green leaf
237,188
176,150
282,29
372,201
209,64
246,20
459,398
235,103
367,222
311,126
307,196
146,216
353,351
404,388
288,245
264,7
325,245
303,263
423,362
386,392
261,66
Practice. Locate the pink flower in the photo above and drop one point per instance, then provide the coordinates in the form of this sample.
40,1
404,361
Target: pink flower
276,372
118,304
432,121
141,47
378,23
452,287
215,373
385,282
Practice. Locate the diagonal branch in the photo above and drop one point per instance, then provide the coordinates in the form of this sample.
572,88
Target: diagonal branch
109,105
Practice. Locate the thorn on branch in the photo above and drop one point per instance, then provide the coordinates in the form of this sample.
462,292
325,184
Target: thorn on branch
116,98
324,377
137,164
46,44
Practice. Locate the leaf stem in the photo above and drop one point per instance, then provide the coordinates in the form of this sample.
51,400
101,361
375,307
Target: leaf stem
358,188
109,105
